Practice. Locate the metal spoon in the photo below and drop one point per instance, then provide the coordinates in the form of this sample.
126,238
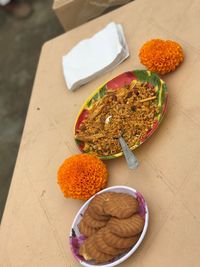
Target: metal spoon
131,159
129,156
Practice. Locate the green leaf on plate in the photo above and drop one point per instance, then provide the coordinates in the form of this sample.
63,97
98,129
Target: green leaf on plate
163,93
89,103
141,75
102,91
154,80
96,97
164,87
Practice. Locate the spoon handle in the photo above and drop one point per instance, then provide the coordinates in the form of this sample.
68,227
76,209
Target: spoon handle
130,157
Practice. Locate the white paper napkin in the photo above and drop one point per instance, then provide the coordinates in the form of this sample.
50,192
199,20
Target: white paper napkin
92,57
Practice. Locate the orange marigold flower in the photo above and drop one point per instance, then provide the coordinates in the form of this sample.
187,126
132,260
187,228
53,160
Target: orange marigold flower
161,56
81,176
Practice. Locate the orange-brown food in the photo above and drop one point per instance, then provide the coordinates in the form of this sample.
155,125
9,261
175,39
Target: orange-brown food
119,242
107,239
126,227
89,251
121,206
96,216
86,230
103,246
129,111
97,204
91,222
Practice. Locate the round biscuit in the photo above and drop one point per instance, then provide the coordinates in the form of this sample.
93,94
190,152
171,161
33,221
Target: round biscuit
97,202
126,227
93,253
96,216
82,252
86,230
103,246
115,241
87,218
121,206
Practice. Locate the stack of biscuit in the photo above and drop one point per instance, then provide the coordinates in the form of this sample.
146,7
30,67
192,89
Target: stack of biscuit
111,225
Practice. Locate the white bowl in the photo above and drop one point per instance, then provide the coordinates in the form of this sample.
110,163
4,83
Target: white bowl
76,238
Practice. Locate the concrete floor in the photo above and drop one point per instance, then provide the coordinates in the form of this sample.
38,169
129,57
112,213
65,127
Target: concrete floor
20,45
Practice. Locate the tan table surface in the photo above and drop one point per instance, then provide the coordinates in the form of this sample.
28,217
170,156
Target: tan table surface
37,218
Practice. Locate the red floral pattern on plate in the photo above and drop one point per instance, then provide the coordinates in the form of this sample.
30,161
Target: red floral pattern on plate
121,80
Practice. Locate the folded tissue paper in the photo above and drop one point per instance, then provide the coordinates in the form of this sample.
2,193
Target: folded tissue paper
94,56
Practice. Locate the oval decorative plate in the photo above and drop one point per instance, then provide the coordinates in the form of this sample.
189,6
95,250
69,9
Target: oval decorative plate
142,79
76,239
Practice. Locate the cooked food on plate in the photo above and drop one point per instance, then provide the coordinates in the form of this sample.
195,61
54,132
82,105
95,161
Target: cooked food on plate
130,111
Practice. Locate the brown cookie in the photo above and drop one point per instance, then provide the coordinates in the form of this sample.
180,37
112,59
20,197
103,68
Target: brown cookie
121,206
115,241
98,202
89,251
83,252
87,218
86,230
103,246
96,216
126,227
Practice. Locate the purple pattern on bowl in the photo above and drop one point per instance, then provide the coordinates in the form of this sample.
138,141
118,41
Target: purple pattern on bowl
75,243
142,204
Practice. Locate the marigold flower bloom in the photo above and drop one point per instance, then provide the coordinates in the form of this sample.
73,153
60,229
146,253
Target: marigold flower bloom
81,176
161,56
